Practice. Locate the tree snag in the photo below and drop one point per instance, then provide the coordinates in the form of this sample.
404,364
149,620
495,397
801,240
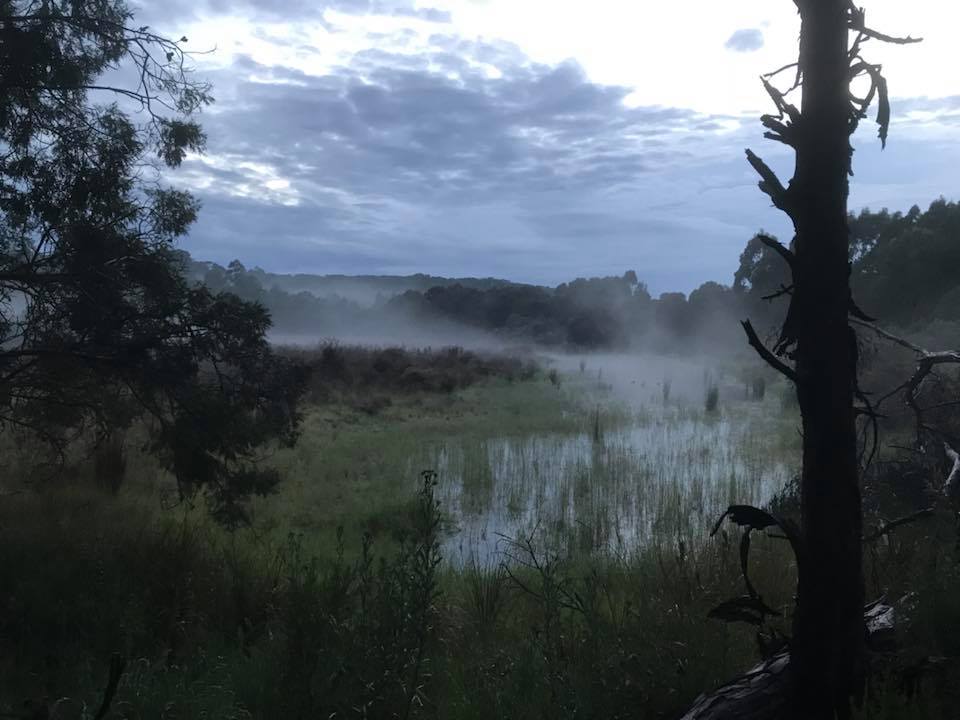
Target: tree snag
827,645
827,650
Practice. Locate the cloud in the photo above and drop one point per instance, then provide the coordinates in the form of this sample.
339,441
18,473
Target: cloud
745,40
428,14
417,149
398,125
284,10
467,156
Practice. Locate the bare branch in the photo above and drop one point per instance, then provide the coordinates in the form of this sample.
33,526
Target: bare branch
783,107
764,352
778,247
778,130
926,362
887,527
887,38
776,72
784,290
889,336
858,23
769,183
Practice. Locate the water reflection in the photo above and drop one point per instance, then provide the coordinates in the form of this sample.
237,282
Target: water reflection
666,475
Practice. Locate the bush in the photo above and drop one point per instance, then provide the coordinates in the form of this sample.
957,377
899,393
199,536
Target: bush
364,377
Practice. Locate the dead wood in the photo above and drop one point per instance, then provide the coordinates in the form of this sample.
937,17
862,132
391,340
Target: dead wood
763,692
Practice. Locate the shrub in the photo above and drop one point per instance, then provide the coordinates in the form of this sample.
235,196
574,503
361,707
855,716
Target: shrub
363,377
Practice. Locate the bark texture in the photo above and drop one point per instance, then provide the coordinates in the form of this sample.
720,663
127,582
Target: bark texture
817,351
828,635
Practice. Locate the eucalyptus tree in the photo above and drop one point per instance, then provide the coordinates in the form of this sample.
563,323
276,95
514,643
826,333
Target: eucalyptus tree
98,325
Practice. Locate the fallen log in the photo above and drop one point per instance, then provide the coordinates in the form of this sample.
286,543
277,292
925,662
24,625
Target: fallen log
763,692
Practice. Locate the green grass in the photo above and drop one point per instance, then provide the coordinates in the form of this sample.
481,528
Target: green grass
359,471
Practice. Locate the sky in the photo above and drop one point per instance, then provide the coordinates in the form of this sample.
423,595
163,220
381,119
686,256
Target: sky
534,140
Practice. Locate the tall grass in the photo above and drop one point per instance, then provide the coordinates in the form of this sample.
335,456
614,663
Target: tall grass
217,629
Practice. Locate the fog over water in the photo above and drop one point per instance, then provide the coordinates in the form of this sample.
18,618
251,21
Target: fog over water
651,464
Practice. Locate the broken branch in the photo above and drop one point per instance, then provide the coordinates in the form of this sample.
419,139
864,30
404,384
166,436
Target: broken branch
770,184
772,360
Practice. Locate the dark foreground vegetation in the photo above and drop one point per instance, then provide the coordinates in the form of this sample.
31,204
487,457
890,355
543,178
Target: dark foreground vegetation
214,624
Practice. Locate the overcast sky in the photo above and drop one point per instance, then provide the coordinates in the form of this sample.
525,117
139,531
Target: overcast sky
537,140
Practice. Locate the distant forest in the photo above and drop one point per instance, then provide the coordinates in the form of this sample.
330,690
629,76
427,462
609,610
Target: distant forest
903,272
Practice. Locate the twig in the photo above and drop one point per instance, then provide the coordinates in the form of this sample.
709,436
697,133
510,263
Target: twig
784,290
926,362
858,23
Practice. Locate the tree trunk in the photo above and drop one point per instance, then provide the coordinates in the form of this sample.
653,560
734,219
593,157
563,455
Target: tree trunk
828,637
827,651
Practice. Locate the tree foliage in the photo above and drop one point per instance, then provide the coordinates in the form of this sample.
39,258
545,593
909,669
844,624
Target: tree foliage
98,324
900,268
612,312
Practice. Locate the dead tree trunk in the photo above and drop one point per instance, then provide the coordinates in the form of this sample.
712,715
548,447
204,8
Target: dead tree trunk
828,624
827,649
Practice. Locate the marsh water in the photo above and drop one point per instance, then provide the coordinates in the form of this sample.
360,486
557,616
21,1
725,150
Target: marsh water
650,464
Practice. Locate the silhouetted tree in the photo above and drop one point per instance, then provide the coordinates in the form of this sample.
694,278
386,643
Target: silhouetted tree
98,324
827,648
901,267
827,645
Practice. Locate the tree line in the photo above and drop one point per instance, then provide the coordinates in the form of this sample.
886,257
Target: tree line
900,272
